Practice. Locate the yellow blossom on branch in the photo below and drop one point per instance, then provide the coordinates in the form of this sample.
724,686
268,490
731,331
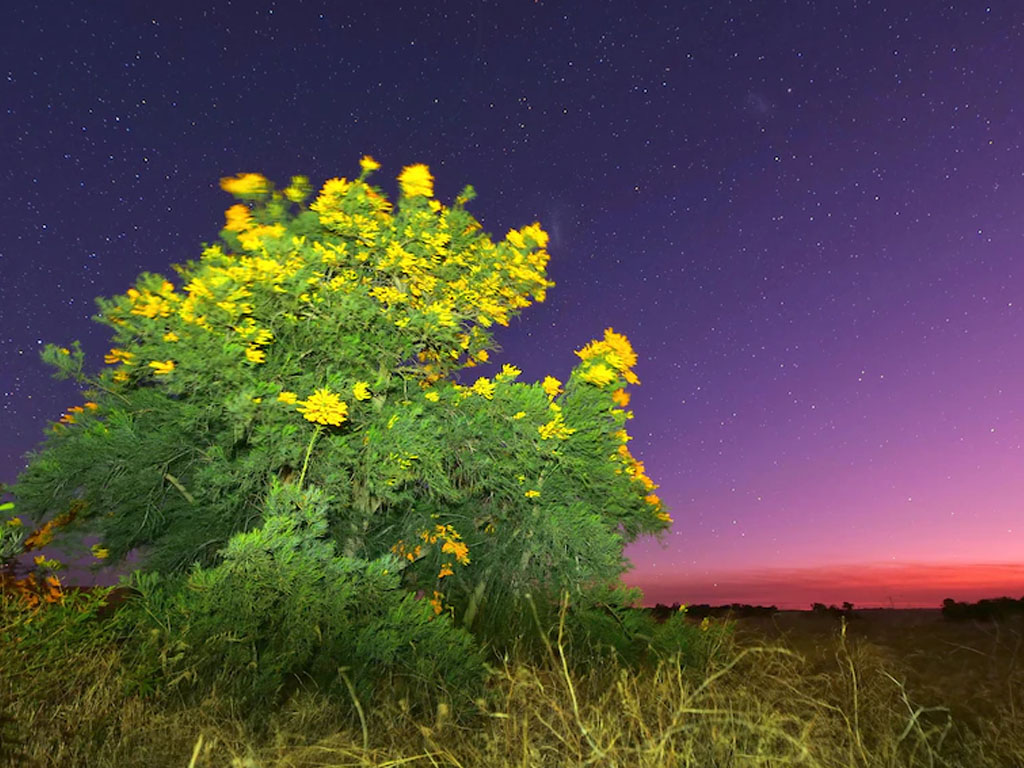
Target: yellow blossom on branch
288,397
361,390
551,386
368,164
484,387
324,407
432,396
457,548
435,601
298,190
599,375
416,181
238,218
118,356
509,372
620,397
162,367
245,185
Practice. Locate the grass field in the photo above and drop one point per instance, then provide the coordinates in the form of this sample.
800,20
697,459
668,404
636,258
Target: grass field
893,688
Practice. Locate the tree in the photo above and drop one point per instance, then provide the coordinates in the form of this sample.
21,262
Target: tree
319,347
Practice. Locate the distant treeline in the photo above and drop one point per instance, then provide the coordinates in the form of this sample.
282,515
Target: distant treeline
984,610
1000,608
661,611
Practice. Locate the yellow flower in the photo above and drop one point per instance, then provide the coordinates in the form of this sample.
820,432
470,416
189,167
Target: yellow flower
531,494
91,406
555,428
446,570
599,374
664,517
515,239
245,185
162,367
508,372
238,218
14,522
255,355
368,164
263,336
704,624
416,180
257,399
118,356
121,375
99,552
64,351
435,601
620,345
324,407
620,397
457,548
432,396
535,232
551,385
287,397
483,356
298,190
652,499
519,414
361,391
484,387
171,336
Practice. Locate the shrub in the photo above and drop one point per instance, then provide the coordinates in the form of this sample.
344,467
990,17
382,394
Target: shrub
282,610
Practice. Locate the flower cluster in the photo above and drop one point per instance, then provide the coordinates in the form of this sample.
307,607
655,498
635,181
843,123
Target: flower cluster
556,427
607,359
324,407
69,416
426,267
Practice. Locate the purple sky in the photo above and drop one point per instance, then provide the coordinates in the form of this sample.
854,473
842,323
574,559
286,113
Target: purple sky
807,217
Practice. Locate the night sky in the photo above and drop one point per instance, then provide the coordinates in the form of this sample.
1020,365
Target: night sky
807,217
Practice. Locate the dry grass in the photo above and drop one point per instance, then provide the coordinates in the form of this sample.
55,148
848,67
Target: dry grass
846,703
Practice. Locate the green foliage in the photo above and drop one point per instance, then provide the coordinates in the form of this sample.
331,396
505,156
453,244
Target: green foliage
284,437
282,610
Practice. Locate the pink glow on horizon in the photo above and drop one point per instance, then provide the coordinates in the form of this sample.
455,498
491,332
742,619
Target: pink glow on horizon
881,585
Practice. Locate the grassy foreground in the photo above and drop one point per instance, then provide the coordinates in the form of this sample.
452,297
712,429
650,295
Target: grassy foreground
750,704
